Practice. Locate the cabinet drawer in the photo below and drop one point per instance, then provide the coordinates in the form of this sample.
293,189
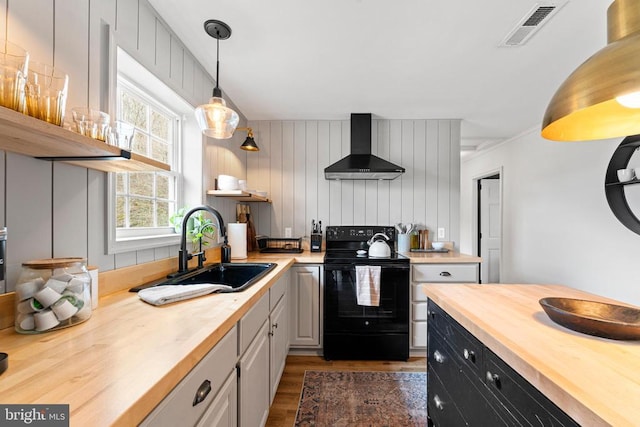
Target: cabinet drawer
277,290
416,292
441,408
252,321
523,399
464,346
419,336
419,311
177,408
447,273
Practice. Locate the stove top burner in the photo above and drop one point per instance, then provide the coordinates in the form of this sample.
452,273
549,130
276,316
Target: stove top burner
349,244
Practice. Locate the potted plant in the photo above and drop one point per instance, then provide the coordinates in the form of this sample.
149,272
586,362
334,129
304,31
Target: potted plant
200,230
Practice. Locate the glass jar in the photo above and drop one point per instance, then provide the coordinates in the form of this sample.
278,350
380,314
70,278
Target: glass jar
52,294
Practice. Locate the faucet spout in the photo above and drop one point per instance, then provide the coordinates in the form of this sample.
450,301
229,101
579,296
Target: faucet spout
183,253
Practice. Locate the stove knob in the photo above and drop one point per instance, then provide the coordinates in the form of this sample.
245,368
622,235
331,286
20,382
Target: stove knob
366,323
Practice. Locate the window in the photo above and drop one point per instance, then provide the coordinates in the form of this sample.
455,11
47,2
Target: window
140,204
146,200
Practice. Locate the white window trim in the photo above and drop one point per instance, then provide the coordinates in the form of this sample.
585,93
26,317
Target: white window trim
166,236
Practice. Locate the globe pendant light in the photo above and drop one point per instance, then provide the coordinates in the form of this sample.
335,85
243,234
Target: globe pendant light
215,118
597,100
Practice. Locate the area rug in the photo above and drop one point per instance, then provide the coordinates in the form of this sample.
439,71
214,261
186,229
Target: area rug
363,399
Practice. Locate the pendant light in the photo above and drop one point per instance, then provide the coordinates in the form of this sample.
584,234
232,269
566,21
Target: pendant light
215,118
249,144
597,100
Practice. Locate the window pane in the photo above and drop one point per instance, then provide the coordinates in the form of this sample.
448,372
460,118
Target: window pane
140,143
140,212
121,183
141,183
162,214
134,111
160,125
120,212
162,186
159,151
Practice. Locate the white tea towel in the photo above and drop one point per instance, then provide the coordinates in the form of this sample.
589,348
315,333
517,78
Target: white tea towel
368,285
165,294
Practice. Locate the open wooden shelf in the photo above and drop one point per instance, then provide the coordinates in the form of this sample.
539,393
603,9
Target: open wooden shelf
239,195
27,135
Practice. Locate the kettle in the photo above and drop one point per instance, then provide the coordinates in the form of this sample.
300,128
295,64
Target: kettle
379,248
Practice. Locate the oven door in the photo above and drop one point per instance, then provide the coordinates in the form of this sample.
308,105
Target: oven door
342,312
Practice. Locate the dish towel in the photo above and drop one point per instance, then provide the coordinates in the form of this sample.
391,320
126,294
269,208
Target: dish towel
368,285
165,294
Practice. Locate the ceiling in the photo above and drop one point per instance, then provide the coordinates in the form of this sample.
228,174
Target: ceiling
413,59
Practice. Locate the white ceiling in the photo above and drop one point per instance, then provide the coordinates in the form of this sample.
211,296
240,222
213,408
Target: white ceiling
407,59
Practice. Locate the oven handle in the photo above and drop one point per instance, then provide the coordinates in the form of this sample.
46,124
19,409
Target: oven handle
351,266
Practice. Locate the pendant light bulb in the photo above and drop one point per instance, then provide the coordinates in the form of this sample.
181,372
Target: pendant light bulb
630,100
215,119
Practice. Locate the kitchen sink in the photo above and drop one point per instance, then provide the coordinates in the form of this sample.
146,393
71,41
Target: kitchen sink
238,276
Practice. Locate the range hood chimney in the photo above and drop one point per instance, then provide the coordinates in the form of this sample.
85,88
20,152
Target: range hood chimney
361,164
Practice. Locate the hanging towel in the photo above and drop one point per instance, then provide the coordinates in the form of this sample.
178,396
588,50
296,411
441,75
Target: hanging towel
368,285
165,294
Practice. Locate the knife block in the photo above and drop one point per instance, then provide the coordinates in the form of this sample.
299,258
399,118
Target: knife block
316,242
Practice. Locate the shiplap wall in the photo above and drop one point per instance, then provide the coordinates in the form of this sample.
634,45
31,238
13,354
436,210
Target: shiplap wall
57,210
291,161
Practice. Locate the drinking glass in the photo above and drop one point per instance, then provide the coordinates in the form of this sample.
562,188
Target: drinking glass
14,63
46,93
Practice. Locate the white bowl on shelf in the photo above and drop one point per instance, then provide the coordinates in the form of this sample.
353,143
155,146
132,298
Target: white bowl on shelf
228,182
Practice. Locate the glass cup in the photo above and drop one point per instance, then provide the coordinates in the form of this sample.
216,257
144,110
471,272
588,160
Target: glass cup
46,93
14,63
121,135
91,123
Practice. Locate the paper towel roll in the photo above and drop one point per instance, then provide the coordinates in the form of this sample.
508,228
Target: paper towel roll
237,232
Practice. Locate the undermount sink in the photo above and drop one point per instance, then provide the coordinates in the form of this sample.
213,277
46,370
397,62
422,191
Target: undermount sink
239,276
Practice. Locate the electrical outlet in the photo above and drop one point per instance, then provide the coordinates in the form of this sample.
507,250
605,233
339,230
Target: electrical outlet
440,232
287,232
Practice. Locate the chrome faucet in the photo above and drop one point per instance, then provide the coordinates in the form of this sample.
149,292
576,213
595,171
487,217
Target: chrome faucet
183,254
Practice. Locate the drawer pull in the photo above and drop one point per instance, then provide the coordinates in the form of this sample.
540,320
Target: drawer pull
493,378
275,325
469,355
445,274
438,357
203,392
438,402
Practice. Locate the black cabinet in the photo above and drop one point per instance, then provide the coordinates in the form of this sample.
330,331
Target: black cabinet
469,385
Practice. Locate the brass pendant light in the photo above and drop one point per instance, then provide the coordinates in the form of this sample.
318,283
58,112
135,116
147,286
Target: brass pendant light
249,144
589,104
215,118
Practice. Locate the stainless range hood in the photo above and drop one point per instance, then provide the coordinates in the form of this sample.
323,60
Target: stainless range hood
361,164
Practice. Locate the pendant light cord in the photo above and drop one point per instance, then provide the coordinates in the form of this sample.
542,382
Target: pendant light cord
217,59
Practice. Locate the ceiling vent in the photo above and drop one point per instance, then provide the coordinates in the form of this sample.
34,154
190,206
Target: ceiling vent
539,15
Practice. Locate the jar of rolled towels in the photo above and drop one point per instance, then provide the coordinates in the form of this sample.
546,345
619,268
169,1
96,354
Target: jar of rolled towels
52,294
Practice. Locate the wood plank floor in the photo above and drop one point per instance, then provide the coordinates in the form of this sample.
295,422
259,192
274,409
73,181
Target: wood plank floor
285,404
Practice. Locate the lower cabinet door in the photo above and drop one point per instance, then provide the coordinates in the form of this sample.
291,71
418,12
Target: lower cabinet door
254,392
223,411
441,409
279,345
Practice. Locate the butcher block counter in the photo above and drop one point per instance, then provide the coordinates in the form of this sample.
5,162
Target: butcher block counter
117,366
594,380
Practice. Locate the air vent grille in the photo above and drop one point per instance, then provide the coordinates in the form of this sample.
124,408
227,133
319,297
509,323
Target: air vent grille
531,23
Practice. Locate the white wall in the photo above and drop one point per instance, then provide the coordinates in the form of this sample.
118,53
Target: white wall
291,161
557,225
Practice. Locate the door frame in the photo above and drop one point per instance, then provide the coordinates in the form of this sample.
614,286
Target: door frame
475,208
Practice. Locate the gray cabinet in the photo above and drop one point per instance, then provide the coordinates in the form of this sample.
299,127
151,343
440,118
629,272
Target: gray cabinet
470,385
433,273
223,411
189,400
254,389
305,305
278,343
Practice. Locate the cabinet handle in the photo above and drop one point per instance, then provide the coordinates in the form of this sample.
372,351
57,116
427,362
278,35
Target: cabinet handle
270,333
493,378
438,402
202,393
469,355
438,357
431,314
275,325
445,274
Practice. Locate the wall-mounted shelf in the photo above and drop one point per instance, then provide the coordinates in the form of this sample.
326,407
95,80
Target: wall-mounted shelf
614,190
239,195
26,135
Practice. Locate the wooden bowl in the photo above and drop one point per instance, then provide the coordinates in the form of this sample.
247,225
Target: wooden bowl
594,318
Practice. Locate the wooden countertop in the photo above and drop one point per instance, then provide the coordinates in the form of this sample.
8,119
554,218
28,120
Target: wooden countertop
440,257
594,380
117,366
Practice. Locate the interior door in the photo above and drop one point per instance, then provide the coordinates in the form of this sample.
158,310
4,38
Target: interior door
490,230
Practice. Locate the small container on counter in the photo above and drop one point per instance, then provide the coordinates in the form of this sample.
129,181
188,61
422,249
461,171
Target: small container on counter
52,294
